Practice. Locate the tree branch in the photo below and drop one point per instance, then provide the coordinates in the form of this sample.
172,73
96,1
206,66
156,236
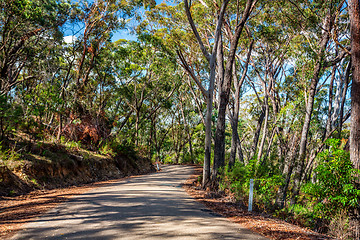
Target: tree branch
191,73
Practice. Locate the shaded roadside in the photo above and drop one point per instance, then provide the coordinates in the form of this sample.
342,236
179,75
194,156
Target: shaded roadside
18,210
152,206
261,223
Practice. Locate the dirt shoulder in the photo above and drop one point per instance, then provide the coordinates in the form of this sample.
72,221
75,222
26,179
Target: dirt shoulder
16,211
255,221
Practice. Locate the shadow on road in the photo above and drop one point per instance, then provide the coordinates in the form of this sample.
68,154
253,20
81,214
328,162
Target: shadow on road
148,207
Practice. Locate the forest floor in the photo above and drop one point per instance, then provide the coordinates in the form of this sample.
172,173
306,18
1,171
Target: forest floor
258,222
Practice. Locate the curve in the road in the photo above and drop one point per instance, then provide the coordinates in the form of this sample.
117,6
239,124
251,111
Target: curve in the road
152,206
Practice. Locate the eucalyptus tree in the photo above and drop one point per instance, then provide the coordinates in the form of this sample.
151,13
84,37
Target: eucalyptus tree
146,79
354,13
235,108
99,20
30,32
25,26
89,75
324,26
208,93
174,26
225,73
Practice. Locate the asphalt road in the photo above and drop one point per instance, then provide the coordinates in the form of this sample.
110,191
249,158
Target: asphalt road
152,206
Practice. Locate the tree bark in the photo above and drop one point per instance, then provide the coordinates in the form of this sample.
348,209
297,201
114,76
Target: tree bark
187,129
288,169
262,142
257,134
235,141
354,14
298,169
210,92
219,149
343,98
329,120
355,89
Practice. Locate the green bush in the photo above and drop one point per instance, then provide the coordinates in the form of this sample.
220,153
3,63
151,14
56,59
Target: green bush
10,116
106,150
237,180
114,147
267,189
334,188
72,145
8,156
169,158
297,213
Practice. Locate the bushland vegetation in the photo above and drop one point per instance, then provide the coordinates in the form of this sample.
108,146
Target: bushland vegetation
255,89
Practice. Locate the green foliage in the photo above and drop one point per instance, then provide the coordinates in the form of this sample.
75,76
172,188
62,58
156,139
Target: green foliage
237,179
134,98
334,188
72,145
33,180
106,150
123,148
297,213
10,116
8,156
267,190
169,158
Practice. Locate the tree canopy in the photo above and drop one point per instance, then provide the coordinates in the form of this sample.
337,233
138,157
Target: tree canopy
251,89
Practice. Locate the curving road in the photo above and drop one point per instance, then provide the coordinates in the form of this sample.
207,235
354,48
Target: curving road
152,206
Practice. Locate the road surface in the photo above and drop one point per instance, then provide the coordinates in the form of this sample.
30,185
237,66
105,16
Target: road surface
152,206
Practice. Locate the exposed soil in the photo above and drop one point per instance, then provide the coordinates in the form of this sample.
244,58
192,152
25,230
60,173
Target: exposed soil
44,174
258,222
50,165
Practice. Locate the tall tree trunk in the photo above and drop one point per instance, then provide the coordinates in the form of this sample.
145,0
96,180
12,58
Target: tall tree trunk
240,152
207,157
137,127
329,120
187,128
209,93
152,137
257,134
287,171
298,170
354,13
343,98
355,89
220,68
235,141
219,149
262,143
60,128
269,145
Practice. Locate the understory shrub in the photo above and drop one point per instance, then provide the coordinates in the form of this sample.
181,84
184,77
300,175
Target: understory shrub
266,184
8,155
324,202
334,187
332,195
